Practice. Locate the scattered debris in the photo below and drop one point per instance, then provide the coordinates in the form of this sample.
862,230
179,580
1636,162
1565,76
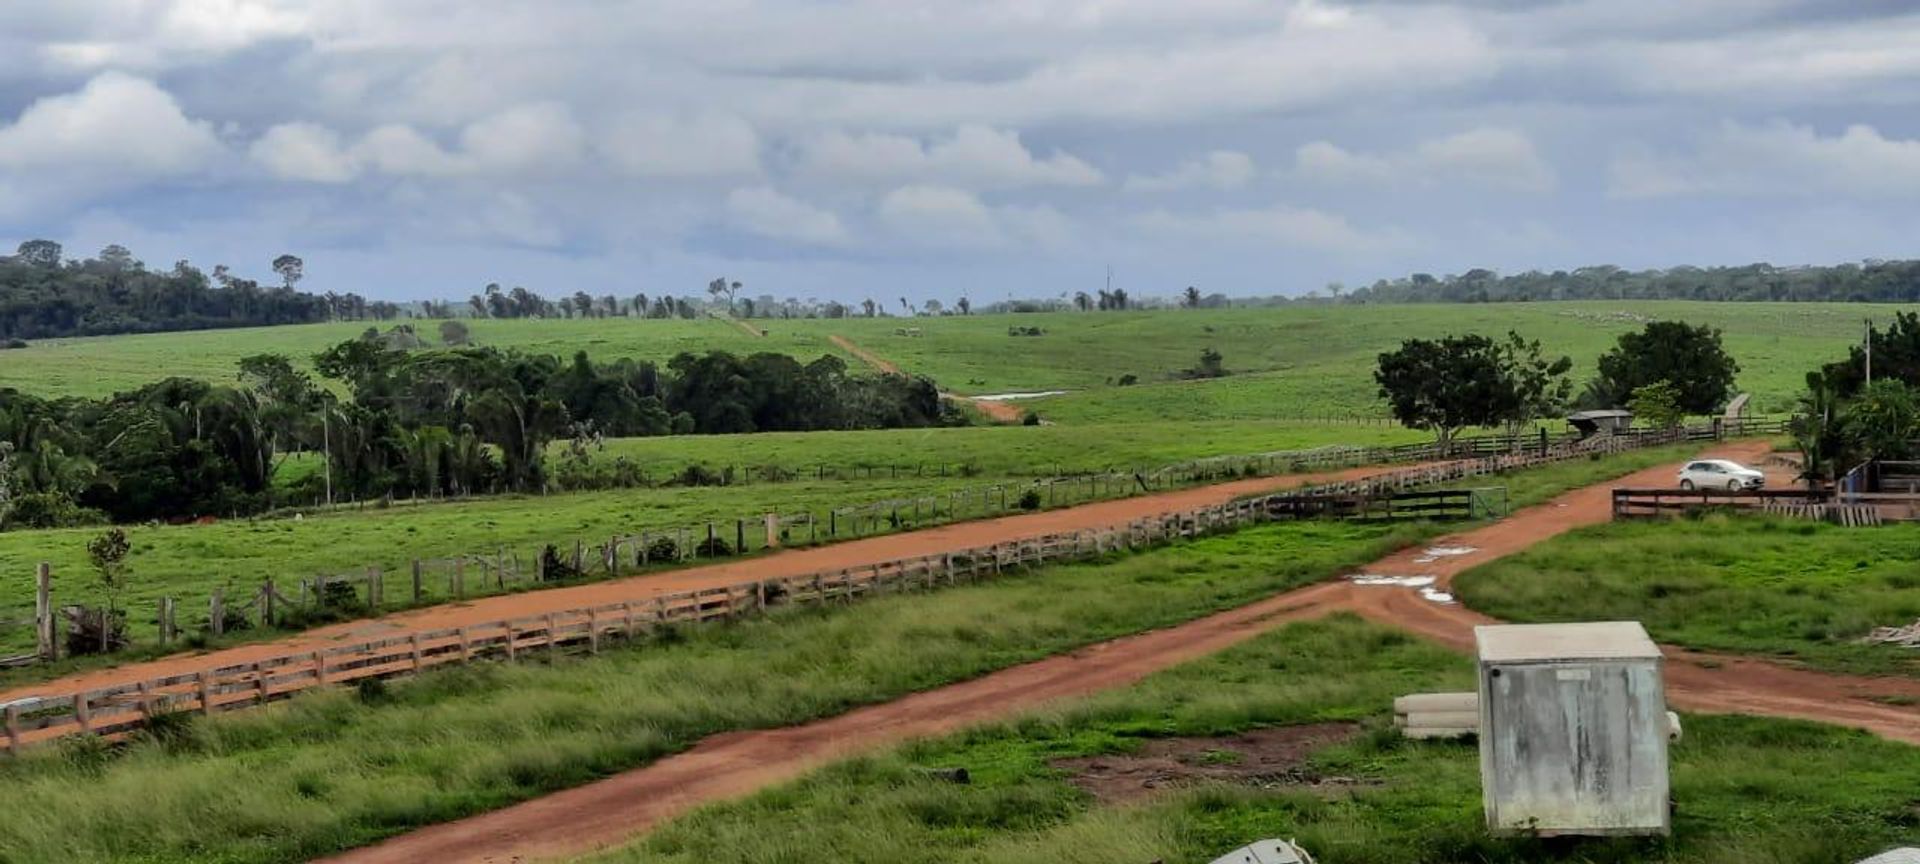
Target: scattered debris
1264,758
1436,595
1437,715
1267,852
1905,637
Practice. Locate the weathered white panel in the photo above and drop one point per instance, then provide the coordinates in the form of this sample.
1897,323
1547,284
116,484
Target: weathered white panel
1573,746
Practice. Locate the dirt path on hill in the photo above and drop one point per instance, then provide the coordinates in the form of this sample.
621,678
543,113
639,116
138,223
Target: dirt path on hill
998,411
744,326
734,764
851,554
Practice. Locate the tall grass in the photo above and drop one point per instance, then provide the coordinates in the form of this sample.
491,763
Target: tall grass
1747,790
333,769
1803,591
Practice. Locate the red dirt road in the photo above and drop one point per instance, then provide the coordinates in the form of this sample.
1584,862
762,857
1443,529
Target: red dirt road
725,766
848,555
999,412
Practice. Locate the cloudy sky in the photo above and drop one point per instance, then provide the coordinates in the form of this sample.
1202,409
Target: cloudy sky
886,148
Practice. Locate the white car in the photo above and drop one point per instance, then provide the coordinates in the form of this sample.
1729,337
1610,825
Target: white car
1720,474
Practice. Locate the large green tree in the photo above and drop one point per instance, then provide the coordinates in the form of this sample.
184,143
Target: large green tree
1689,358
1448,384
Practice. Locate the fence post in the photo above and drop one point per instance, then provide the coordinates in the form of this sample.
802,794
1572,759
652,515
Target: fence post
43,612
13,729
204,683
459,578
217,613
739,536
166,621
266,603
416,581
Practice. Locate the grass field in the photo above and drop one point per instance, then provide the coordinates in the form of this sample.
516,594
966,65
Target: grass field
330,770
1747,790
187,562
1794,590
1301,361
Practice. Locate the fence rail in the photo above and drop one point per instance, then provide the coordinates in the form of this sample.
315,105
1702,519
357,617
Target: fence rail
113,712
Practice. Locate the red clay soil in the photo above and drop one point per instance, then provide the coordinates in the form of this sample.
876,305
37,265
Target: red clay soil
997,411
849,555
749,329
725,766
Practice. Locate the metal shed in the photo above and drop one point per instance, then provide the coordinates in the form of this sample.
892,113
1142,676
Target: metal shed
1607,422
1573,729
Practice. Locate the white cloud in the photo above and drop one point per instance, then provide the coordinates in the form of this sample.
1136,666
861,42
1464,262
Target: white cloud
1219,169
974,157
1775,159
1297,227
537,139
104,34
306,152
764,211
944,217
1487,156
117,125
662,145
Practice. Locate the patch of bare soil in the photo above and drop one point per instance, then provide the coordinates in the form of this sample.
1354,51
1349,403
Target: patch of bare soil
1264,758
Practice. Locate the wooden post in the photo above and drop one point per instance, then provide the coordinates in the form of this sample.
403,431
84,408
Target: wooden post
466,646
773,530
320,667
217,612
260,683
416,581
204,682
81,713
739,536
413,642
510,649
709,537
500,570
459,578
593,631
373,590
626,611
13,729
659,609
579,555
266,603
166,621
553,636
43,627
643,547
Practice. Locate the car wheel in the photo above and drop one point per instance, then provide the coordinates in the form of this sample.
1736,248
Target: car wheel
1687,485
1733,485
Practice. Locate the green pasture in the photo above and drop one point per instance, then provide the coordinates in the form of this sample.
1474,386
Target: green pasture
1794,591
1746,790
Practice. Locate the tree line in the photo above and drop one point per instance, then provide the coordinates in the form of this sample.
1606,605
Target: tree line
1872,281
43,295
452,422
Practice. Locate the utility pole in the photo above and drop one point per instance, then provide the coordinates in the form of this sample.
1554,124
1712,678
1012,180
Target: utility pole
1869,351
326,448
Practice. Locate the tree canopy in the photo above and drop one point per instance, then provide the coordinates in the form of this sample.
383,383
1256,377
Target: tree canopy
1689,358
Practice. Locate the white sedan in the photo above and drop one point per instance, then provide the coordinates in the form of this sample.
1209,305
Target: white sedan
1720,474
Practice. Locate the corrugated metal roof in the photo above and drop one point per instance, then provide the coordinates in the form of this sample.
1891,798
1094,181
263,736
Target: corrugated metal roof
1602,640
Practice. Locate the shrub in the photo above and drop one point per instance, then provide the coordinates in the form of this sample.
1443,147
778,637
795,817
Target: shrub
12,344
554,568
1030,500
699,475
95,630
1032,418
713,547
1129,379
48,510
663,549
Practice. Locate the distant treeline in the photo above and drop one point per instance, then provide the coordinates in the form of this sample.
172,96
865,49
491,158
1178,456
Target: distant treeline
420,423
1868,282
44,295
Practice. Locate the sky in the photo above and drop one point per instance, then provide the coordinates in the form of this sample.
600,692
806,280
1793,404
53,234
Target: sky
929,150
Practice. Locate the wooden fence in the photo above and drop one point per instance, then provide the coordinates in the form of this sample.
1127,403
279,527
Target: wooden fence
113,712
1852,510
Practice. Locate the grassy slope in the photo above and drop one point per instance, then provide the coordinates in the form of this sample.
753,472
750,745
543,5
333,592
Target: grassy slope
1309,360
328,770
1748,790
1799,590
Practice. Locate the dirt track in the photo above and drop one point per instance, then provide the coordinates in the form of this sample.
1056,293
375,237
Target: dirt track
848,555
999,412
734,764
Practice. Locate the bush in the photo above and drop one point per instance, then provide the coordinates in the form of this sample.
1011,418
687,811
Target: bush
48,510
1030,500
663,549
713,547
1129,379
554,568
699,475
12,344
1032,418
